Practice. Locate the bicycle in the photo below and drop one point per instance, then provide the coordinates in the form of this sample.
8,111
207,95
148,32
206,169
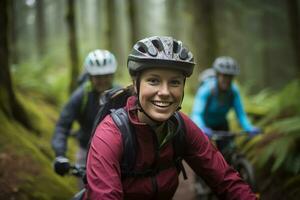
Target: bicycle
78,171
234,158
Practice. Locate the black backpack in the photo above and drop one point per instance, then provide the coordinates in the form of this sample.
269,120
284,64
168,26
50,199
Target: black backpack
112,102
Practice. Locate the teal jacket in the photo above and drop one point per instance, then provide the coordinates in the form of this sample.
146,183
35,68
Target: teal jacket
211,108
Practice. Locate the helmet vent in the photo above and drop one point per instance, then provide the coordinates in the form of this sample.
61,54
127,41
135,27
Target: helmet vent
175,47
152,51
183,54
142,49
97,62
156,44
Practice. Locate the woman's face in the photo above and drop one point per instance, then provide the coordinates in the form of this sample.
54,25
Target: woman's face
161,92
101,83
224,81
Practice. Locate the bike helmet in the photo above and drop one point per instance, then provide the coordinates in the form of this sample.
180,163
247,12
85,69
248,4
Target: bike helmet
226,65
100,62
160,51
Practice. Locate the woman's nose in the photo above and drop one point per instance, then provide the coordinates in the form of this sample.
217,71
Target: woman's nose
163,89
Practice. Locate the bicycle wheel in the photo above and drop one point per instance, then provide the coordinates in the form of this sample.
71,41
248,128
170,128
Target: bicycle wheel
243,166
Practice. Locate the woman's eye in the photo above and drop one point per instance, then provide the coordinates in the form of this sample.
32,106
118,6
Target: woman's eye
153,81
175,82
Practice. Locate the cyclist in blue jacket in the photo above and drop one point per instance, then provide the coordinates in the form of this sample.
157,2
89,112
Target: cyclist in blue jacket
216,95
83,105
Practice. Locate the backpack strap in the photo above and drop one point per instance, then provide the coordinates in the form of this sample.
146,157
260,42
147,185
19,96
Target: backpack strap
179,144
121,119
87,87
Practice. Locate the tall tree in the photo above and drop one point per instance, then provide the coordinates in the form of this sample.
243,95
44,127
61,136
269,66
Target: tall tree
116,31
267,53
173,12
73,47
40,28
133,21
204,33
13,33
111,19
9,105
293,12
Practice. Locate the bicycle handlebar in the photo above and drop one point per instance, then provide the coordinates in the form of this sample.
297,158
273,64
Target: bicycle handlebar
77,170
219,135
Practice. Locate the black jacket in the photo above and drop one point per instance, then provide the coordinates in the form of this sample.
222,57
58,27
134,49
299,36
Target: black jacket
82,107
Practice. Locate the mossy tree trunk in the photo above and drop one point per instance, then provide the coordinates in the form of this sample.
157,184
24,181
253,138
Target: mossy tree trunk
9,103
293,12
73,47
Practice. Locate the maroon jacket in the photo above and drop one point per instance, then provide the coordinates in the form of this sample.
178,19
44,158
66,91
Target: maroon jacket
104,158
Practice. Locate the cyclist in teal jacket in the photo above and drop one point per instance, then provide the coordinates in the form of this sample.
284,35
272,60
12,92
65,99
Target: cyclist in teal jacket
215,97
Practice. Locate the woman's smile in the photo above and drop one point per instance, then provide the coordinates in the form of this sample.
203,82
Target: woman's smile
162,104
160,95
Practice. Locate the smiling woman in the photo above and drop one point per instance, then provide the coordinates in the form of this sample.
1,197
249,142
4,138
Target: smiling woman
158,66
160,95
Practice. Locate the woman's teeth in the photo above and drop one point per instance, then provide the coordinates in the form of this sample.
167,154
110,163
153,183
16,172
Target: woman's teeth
161,103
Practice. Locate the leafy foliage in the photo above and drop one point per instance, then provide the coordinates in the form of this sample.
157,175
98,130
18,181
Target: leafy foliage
276,153
48,78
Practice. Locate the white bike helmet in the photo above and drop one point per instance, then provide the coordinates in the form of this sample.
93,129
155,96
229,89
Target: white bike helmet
226,65
100,62
162,52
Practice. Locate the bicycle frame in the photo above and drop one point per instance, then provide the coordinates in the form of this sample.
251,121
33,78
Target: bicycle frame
78,171
234,158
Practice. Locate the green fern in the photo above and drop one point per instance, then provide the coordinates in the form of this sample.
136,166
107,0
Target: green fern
276,152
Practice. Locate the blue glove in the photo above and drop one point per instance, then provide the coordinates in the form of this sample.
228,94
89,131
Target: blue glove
61,165
207,131
254,131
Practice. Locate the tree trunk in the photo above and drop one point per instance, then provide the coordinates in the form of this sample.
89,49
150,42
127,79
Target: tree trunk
205,15
133,21
14,33
40,29
295,26
9,104
269,69
73,49
204,35
111,32
174,19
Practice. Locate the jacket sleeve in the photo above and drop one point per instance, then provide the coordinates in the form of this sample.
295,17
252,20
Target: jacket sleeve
208,163
239,110
67,116
199,106
103,169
